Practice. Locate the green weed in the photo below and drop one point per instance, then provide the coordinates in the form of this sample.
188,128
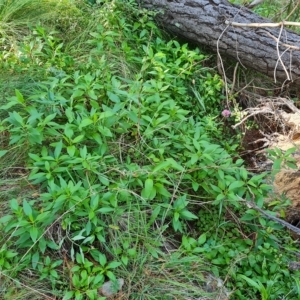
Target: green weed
121,146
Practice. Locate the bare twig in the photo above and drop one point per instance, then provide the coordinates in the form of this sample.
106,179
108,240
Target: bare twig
277,41
293,228
279,57
262,25
254,111
271,106
222,65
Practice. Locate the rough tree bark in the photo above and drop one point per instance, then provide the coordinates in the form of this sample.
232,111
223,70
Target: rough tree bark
208,22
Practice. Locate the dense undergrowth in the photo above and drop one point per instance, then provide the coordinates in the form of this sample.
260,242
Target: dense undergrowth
117,166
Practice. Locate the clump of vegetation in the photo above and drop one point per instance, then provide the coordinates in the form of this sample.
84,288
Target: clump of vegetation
117,168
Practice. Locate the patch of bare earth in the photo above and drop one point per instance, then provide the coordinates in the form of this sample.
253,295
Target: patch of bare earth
282,114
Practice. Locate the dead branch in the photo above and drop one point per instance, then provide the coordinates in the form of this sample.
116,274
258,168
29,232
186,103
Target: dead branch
291,227
262,25
273,106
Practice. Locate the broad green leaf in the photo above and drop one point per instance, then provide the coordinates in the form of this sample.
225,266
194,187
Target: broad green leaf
113,264
244,173
161,119
5,219
10,254
106,114
250,281
154,215
104,180
216,189
58,148
69,295
271,152
83,151
37,178
201,239
93,294
105,210
260,201
89,239
221,186
92,214
84,123
221,174
292,165
248,217
83,274
124,260
78,237
162,166
70,115
133,116
42,245
34,157
49,118
290,151
27,208
113,97
196,144
47,166
220,197
152,194
132,252
195,186
94,202
68,131
35,259
239,162
262,221
19,96
194,159
277,164
71,150
105,131
219,261
88,227
176,225
176,216
3,152
43,216
77,93
199,250
17,118
97,137
148,187
98,278
92,94
175,165
235,185
111,276
33,233
14,204
78,139
252,183
160,189
102,259
187,215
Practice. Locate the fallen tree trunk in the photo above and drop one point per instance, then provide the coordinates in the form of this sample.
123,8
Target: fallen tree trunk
274,51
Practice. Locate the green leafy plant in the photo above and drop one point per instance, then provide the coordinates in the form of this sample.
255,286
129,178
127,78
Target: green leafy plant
122,146
282,159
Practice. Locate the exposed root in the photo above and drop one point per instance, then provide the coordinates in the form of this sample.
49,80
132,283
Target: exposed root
274,109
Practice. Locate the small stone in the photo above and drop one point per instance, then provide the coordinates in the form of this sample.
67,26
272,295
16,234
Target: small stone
110,288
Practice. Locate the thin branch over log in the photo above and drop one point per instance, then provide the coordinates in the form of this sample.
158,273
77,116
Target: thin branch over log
264,25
